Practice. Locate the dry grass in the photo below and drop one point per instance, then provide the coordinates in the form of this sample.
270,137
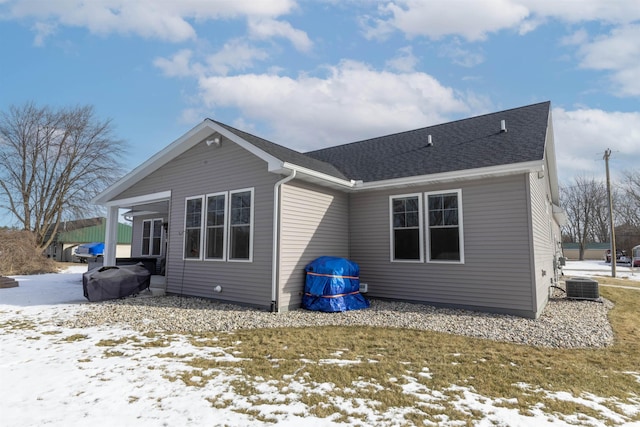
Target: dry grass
19,254
381,361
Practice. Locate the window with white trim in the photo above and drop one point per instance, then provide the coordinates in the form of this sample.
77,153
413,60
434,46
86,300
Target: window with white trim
193,228
219,226
444,226
240,224
152,237
406,227
216,226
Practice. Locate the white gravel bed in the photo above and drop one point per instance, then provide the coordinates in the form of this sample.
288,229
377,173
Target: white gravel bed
563,324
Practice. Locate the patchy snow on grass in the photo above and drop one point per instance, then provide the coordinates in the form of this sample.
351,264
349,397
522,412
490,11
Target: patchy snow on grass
57,376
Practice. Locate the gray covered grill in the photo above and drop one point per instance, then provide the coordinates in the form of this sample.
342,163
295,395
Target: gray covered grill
105,283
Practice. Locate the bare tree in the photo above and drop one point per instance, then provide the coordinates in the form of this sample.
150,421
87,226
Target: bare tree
628,204
52,162
627,208
585,203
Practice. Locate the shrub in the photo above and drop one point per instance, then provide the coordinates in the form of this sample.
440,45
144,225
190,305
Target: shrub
20,254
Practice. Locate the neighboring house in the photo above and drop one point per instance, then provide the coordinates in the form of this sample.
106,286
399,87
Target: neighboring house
462,214
73,233
591,250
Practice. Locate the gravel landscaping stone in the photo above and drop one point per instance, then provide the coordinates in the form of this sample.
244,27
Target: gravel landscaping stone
563,324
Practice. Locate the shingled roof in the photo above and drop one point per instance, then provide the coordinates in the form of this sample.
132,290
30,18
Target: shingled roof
467,144
286,154
471,143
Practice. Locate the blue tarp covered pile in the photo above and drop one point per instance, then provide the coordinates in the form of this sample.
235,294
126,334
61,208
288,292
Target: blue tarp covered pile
333,284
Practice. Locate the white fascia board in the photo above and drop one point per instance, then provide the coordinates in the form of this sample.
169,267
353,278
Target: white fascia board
318,175
140,200
272,162
196,135
177,147
491,171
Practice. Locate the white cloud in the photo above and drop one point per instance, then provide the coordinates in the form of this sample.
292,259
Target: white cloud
266,28
573,11
42,30
404,61
576,38
179,65
164,20
472,20
582,136
353,101
619,53
235,55
461,56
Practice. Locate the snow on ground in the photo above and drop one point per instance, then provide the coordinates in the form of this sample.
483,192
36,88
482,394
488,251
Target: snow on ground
54,376
594,268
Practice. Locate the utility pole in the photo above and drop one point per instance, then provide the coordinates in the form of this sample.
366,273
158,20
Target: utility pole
607,154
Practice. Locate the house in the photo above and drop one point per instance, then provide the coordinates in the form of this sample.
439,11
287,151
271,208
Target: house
462,214
70,234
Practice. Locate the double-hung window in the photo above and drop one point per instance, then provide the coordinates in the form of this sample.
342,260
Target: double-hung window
443,231
240,225
406,227
151,237
444,212
216,226
193,228
219,226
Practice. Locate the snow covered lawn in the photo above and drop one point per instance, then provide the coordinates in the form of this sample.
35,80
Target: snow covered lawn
50,375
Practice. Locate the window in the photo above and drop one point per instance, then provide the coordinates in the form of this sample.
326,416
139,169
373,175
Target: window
406,227
215,237
443,219
241,209
151,237
193,228
219,226
444,212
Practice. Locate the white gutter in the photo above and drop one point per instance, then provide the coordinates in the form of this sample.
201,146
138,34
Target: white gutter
322,176
501,170
276,235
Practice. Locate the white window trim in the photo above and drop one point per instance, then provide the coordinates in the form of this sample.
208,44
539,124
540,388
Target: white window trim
420,228
253,203
225,233
151,229
458,192
184,229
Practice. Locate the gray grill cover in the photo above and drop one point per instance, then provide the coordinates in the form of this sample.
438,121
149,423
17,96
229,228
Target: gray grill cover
105,283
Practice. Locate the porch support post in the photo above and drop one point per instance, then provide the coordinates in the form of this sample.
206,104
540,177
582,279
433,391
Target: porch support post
111,236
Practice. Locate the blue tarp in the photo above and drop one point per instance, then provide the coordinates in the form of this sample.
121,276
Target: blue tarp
333,284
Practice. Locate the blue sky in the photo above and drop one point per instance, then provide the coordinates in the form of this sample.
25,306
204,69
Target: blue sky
308,74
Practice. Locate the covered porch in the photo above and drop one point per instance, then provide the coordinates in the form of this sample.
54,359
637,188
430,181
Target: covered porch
149,215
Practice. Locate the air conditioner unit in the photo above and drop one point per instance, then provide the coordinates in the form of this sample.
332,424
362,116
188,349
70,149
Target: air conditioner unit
582,288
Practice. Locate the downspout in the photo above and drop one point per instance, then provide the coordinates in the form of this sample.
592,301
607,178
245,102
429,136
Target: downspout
276,234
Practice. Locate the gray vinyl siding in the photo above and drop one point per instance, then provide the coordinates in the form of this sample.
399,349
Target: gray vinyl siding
136,233
496,274
314,223
136,237
203,170
543,239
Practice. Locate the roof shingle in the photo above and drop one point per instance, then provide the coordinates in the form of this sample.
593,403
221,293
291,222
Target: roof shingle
463,144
